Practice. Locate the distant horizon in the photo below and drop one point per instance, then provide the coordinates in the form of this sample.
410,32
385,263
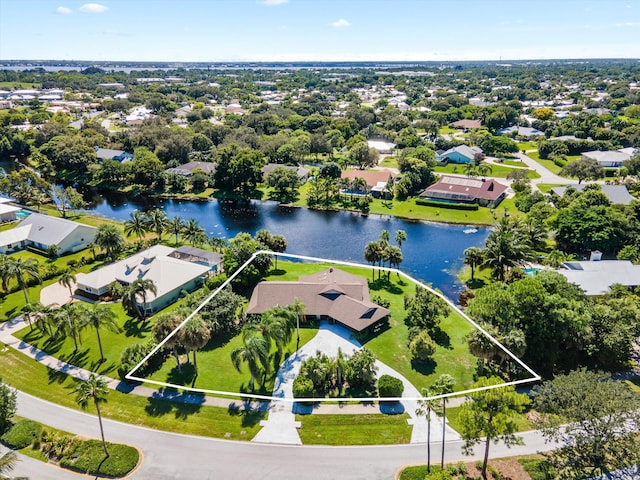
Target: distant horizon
246,31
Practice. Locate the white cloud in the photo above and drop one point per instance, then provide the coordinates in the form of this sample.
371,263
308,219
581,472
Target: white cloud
340,23
271,3
63,10
93,8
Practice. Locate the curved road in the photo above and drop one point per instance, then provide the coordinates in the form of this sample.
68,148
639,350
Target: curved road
173,456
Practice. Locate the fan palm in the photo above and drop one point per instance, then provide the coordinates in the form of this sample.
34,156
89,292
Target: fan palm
136,225
193,336
473,256
68,279
401,237
93,389
157,221
99,317
110,239
20,268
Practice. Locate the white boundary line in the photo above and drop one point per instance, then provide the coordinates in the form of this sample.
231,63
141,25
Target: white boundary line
130,376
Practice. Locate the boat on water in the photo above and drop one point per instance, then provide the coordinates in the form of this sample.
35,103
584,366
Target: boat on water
470,230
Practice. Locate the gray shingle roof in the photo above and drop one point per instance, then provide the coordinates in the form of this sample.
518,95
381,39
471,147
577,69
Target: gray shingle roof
617,194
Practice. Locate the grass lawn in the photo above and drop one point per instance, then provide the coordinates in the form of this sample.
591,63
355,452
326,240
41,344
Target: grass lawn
390,346
498,171
25,374
88,355
546,187
513,163
370,429
447,130
453,414
215,370
548,164
527,145
389,162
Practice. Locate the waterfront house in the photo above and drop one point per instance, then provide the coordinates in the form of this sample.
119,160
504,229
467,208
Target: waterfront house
331,294
485,192
596,276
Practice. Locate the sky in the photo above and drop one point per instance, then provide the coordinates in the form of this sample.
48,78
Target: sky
318,30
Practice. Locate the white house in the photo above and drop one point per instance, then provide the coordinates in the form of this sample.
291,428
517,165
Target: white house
597,276
610,158
41,231
170,275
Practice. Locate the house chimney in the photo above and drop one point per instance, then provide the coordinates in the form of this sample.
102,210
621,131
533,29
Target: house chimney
596,256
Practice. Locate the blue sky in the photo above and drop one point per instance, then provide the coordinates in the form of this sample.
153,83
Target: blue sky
318,30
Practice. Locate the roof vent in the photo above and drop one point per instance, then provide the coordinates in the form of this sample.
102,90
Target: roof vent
596,256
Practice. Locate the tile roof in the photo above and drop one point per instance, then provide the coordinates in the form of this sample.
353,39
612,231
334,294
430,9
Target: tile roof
464,189
331,292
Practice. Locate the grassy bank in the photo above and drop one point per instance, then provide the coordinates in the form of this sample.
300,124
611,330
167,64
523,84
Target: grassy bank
369,429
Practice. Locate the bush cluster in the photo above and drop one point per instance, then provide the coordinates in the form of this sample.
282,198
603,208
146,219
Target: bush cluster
22,434
88,457
389,386
454,206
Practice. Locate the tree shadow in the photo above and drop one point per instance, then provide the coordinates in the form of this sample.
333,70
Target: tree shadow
186,376
136,328
425,367
386,285
250,417
167,400
441,337
277,272
475,283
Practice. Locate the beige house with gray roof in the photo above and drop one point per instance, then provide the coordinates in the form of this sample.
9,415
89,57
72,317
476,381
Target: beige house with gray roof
330,294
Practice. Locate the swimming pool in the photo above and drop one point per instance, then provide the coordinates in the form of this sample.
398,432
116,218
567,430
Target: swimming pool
531,271
20,214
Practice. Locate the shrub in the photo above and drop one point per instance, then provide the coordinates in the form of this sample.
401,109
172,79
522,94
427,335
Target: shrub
88,457
302,387
440,475
214,282
22,434
422,346
389,386
451,205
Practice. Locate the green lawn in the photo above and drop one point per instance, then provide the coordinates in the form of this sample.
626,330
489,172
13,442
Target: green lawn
88,355
27,375
389,162
453,414
546,187
215,370
369,429
498,171
527,145
548,164
447,130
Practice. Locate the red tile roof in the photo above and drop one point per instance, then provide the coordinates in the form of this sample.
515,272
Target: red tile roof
465,189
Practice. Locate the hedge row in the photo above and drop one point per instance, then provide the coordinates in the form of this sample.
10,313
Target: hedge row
454,206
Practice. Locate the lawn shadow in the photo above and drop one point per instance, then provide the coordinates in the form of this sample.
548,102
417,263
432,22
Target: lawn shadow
56,376
218,340
185,376
441,337
475,283
386,285
166,400
425,367
136,328
250,417
79,358
277,272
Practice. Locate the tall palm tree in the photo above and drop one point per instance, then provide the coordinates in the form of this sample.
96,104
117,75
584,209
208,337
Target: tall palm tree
218,243
194,335
157,221
278,244
20,268
254,351
92,248
339,365
384,236
67,323
99,317
371,255
394,256
401,237
443,385
425,407
277,325
175,225
136,225
93,389
298,308
68,279
162,327
192,231
110,239
473,256
138,289
484,168
42,315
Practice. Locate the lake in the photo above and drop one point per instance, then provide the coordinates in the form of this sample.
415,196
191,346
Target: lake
432,253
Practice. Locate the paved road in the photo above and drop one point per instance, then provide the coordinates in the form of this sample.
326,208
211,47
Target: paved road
172,456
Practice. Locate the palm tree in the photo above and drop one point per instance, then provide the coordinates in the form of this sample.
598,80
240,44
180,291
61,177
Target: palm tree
175,225
7,463
557,257
394,256
67,322
193,232
92,248
384,236
339,367
401,237
506,246
42,316
138,289
99,316
110,239
194,335
473,257
93,389
276,325
157,221
443,385
470,169
162,327
254,351
5,272
484,168
68,279
298,308
218,243
278,244
426,406
136,225
19,268
481,346
371,255
31,309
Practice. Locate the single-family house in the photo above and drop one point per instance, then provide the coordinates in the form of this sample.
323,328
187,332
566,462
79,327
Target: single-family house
109,154
7,211
303,173
519,131
376,180
41,231
188,168
459,154
331,294
467,124
485,192
610,158
595,277
617,194
169,274
382,147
